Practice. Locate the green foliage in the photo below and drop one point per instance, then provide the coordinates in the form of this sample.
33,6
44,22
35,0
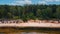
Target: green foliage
15,17
57,15
27,12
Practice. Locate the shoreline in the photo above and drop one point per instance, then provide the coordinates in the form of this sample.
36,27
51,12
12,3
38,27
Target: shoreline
31,23
39,25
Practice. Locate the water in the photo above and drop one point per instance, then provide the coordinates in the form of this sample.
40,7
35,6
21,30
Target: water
29,31
32,33
35,33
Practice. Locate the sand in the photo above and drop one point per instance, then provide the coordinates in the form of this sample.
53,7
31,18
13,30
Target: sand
31,24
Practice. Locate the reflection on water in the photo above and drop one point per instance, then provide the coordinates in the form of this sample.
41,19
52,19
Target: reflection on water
49,32
29,31
33,33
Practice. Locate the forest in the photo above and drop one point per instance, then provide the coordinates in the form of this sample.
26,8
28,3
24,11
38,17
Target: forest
26,12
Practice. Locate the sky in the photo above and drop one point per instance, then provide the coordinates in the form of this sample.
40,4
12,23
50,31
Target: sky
22,2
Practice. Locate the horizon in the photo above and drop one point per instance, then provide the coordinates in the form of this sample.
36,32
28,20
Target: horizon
23,2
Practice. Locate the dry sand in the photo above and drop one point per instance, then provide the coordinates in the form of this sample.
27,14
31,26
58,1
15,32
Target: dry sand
31,24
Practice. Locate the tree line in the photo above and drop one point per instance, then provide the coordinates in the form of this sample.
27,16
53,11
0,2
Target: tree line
27,12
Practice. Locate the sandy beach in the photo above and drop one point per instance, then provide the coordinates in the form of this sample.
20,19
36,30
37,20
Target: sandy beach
31,24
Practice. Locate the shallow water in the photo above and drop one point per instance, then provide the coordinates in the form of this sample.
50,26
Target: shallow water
29,31
35,33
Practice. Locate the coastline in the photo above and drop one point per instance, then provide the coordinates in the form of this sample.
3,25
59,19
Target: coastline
30,23
22,25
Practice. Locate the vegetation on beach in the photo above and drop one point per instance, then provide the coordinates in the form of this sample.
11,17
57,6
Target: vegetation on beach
27,12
